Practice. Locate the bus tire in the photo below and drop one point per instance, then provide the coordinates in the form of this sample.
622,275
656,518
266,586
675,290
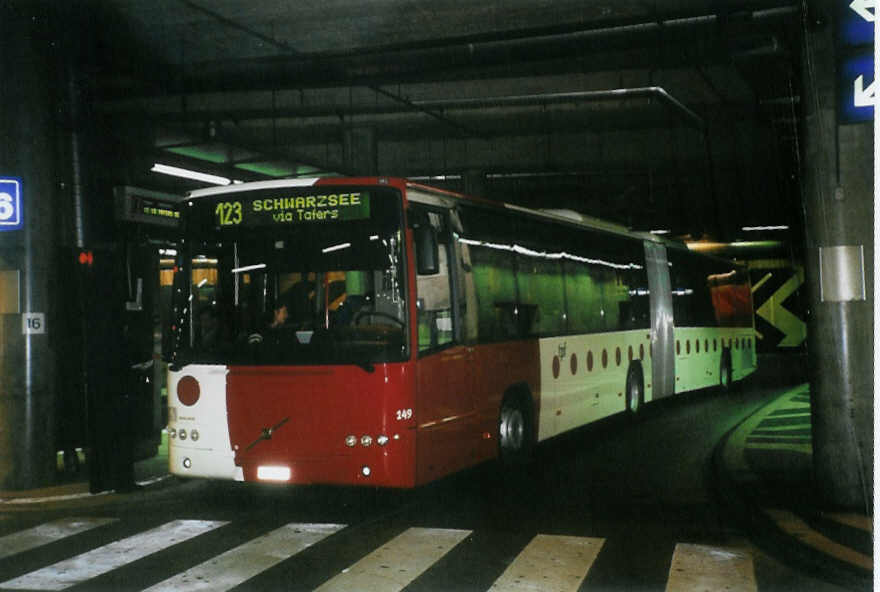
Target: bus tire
635,387
725,372
515,429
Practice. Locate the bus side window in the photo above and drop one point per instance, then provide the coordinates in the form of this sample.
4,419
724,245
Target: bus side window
466,292
433,293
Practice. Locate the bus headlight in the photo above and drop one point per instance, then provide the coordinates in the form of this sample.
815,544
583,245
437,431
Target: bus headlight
351,440
273,473
382,440
366,440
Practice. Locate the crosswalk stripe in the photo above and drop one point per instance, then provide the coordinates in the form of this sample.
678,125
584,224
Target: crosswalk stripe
246,561
701,567
19,542
398,562
111,556
550,563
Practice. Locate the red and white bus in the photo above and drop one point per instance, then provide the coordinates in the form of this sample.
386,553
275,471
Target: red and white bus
379,332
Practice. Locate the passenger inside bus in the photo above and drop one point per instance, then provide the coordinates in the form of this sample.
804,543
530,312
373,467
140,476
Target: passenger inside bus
279,317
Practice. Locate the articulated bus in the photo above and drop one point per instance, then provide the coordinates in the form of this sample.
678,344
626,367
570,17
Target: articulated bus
378,332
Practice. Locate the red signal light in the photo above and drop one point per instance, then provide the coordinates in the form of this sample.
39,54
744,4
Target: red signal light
86,258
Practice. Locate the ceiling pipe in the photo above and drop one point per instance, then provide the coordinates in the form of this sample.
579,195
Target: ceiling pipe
296,54
568,97
444,105
427,59
618,27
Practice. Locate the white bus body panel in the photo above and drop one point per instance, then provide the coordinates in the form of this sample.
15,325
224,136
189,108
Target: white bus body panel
580,394
210,454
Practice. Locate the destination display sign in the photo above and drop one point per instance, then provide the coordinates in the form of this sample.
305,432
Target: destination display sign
313,208
143,206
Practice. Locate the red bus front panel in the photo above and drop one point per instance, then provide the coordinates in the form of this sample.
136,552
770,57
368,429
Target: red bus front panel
328,424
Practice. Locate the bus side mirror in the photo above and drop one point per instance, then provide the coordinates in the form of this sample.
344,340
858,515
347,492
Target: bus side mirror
427,251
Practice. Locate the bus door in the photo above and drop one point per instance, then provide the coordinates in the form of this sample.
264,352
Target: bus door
447,438
662,334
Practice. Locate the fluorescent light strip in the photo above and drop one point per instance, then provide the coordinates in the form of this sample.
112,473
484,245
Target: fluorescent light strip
274,184
759,228
336,248
188,174
435,178
249,268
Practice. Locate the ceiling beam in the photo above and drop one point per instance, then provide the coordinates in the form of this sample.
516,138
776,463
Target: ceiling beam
682,39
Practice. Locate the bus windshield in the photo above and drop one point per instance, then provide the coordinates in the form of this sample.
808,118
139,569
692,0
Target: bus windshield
325,290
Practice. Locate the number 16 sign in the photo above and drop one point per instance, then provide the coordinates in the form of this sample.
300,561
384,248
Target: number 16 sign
10,203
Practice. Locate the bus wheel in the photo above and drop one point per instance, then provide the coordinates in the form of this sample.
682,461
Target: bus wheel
635,388
514,431
726,372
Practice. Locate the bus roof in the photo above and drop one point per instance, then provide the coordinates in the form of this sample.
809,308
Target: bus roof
254,185
564,216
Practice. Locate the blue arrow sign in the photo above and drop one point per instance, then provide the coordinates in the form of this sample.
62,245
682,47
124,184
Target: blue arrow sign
857,88
10,203
856,22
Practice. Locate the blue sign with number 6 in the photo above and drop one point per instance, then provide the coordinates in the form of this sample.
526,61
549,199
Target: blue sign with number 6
10,203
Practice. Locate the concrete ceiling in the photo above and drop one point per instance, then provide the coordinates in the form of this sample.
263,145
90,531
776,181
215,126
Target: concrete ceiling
677,114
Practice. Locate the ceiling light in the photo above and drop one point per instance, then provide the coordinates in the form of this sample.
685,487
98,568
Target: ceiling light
249,268
760,228
338,247
188,174
738,245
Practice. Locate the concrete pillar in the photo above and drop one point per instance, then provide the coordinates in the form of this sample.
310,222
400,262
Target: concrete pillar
475,183
27,126
360,151
838,198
